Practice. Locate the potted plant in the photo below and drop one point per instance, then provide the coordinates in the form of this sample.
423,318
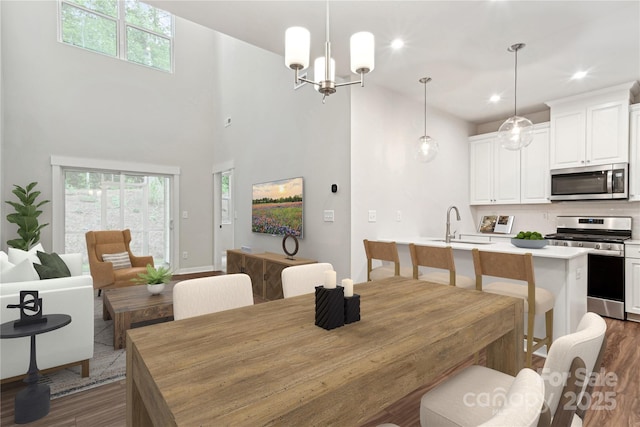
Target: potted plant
26,217
155,278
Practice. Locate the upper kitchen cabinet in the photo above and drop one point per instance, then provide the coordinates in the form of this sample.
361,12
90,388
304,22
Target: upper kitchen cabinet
591,128
500,176
634,161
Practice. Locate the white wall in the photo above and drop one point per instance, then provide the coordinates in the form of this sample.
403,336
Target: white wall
279,133
66,101
386,178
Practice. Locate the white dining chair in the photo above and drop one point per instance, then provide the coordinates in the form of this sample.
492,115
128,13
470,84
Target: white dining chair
448,403
303,279
523,404
195,297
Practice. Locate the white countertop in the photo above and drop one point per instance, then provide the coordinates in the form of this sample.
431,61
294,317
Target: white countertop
559,252
632,242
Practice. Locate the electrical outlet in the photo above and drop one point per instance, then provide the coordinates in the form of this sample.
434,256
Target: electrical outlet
372,216
185,214
185,255
227,122
398,216
328,215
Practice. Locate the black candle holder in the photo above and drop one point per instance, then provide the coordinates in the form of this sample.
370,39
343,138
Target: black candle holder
352,309
329,307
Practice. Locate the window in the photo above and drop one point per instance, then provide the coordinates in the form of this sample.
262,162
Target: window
129,30
104,195
226,197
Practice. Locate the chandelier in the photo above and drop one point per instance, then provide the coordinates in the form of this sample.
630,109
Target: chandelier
296,57
516,132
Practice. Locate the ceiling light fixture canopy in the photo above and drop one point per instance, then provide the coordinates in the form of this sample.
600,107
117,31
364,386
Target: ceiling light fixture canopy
296,57
516,132
427,148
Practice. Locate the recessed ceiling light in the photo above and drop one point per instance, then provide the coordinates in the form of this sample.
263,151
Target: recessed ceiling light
494,98
397,43
579,75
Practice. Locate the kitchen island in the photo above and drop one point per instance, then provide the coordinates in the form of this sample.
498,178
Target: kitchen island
561,270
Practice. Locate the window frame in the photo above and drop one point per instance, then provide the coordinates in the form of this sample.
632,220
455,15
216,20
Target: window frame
121,33
60,163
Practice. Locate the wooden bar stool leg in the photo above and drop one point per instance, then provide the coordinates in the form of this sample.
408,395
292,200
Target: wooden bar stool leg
549,325
530,332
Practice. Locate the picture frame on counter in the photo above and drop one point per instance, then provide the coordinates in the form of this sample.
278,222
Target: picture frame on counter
501,224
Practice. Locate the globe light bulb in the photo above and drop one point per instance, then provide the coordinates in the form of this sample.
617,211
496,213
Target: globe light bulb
426,149
515,133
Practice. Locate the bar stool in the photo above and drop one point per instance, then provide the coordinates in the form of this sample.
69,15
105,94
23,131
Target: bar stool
536,300
441,258
384,251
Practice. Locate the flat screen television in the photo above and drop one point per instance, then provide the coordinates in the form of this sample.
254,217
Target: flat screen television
277,206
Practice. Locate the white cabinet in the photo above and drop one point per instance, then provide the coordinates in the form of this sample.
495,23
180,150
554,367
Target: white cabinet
501,176
534,163
494,172
590,129
632,281
634,160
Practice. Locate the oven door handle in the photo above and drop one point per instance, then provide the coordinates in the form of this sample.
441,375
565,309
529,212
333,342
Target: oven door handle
605,252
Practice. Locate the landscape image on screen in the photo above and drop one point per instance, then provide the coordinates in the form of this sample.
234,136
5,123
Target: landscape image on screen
277,207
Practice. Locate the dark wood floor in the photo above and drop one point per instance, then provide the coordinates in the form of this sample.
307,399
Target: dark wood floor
616,403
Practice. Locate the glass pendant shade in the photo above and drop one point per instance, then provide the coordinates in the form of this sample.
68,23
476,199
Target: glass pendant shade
319,71
515,133
427,149
362,52
297,42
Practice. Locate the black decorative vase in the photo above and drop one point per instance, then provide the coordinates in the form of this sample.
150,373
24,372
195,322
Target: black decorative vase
352,309
329,307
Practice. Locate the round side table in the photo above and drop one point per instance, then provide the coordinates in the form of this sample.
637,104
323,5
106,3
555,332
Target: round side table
33,402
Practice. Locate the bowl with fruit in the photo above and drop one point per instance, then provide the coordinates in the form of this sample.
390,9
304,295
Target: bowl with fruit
529,240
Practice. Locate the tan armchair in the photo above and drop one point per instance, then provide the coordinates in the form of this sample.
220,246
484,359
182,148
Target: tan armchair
111,242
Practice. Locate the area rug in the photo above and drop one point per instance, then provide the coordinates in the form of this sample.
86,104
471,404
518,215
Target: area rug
106,366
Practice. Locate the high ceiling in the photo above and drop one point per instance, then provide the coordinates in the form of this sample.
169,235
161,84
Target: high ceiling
461,45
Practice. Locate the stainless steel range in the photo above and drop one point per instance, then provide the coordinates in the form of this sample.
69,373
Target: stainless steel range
605,278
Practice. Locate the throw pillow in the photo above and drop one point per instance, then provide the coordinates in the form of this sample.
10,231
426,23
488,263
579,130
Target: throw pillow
21,272
51,266
17,255
120,260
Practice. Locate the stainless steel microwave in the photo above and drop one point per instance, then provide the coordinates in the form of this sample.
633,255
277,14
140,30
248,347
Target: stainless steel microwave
602,182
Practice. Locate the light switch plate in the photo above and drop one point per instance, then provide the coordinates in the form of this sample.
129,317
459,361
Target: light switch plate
328,215
372,216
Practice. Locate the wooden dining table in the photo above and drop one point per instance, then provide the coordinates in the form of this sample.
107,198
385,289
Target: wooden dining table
268,364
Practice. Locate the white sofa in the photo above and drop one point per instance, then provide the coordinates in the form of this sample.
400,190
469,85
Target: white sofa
70,345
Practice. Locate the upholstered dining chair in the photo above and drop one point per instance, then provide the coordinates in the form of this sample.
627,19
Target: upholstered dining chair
536,300
440,258
524,405
303,279
195,297
448,403
384,251
111,262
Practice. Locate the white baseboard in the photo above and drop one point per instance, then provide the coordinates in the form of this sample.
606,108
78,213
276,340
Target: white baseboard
193,270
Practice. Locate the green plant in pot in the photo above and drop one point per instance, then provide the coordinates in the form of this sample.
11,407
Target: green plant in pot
154,278
26,216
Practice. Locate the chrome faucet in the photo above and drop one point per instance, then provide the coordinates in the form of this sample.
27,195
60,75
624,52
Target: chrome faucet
448,235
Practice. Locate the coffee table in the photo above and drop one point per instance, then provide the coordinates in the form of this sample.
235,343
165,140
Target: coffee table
133,305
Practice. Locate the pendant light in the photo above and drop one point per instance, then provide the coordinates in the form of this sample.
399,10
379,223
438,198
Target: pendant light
427,147
516,132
